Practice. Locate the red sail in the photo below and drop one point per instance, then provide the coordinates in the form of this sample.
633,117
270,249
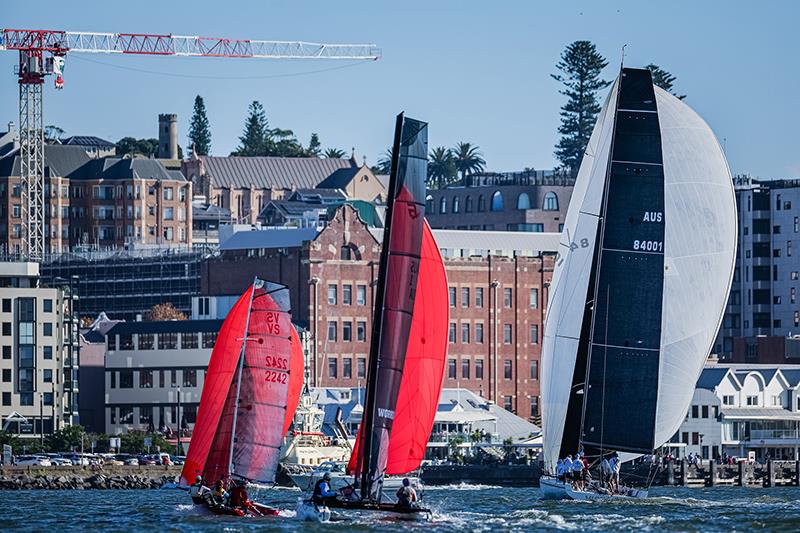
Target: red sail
296,371
423,371
221,369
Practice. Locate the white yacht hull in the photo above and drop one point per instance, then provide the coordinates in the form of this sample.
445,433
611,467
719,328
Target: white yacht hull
551,488
305,482
595,495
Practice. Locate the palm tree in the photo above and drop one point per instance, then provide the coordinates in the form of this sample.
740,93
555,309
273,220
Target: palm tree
384,165
334,153
441,167
468,160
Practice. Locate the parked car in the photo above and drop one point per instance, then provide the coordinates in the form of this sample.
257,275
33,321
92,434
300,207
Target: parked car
33,460
78,459
163,459
127,459
178,459
60,461
146,460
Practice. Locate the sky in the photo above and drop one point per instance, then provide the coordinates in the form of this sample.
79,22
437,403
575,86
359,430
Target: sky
476,71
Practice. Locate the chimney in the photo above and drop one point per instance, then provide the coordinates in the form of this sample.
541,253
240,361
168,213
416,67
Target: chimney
11,127
167,136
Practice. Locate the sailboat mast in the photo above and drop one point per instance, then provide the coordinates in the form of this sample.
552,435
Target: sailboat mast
377,321
239,375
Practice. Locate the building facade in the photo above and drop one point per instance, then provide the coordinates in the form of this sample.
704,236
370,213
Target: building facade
763,298
498,285
154,374
40,353
529,201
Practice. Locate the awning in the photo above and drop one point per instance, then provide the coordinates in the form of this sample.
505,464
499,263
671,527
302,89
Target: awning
463,417
760,413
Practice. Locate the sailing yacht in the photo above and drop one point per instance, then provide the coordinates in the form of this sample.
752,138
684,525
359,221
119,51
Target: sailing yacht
249,397
643,272
408,344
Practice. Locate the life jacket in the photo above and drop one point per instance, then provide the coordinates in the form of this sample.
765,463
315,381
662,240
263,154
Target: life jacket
317,496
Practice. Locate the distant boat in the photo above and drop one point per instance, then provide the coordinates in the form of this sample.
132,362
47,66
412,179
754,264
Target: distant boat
643,272
251,391
409,337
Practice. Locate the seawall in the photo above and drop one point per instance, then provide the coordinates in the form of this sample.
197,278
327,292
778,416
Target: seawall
85,477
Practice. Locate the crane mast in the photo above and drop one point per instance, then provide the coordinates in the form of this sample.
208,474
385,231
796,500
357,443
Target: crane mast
42,53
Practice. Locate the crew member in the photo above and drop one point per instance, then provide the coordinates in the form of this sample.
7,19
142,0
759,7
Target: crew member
577,473
198,491
406,495
322,490
560,470
219,493
240,499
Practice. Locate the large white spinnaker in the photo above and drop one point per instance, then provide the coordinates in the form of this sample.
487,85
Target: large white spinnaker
570,282
699,255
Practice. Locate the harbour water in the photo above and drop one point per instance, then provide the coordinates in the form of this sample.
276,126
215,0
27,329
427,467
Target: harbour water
459,508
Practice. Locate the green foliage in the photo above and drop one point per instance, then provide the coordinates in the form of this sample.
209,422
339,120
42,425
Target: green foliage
384,165
283,143
133,442
580,67
67,438
12,440
442,168
334,153
314,146
663,79
255,137
137,147
199,129
468,160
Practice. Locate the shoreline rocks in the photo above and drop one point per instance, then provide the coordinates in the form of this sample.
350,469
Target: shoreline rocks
84,478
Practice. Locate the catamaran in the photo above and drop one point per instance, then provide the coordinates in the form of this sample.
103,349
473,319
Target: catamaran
249,397
408,346
643,272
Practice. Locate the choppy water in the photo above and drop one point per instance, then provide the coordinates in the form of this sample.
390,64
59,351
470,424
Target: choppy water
462,508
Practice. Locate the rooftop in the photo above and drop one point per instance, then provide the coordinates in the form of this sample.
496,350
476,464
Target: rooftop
266,172
268,238
165,326
88,140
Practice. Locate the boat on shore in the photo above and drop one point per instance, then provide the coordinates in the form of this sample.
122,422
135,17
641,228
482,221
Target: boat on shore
643,272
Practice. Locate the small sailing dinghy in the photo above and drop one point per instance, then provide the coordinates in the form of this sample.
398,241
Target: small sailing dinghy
408,346
250,394
643,272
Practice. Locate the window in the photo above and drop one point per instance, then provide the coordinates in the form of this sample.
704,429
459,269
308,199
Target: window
331,330
534,298
188,340
456,204
443,205
788,248
361,295
167,341
6,398
478,368
347,331
464,297
695,438
169,213
776,400
465,333
506,333
796,224
523,201
346,253
752,400
6,305
113,375
704,411
534,370
534,333
168,193
452,335
111,342
47,305
695,411
507,298
347,367
189,378
7,375
47,329
468,204
776,230
465,369
479,333
497,201
507,369
146,414
145,341
126,379
347,294
507,403
550,202
173,379
161,382
361,367
361,331
125,415
451,369
6,352
534,406
6,329
145,379
209,339
332,294
452,293
429,204
479,297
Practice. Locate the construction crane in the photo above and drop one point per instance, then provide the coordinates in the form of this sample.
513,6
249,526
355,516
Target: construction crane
43,52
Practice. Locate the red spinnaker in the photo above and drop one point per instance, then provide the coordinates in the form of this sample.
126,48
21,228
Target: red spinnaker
221,368
423,371
296,372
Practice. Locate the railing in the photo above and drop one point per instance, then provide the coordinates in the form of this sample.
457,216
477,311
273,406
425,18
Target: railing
763,434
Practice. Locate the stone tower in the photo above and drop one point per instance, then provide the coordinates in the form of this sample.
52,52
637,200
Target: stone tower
167,136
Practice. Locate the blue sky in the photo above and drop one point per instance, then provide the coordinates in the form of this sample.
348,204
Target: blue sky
477,71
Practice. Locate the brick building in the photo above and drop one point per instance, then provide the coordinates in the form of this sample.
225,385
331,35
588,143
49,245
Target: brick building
529,201
497,288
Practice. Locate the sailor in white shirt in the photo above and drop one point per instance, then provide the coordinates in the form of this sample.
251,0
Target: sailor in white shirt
577,472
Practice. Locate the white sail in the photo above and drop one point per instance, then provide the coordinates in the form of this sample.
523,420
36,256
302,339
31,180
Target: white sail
570,281
699,255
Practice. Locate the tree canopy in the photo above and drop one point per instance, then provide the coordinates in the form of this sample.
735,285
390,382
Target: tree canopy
199,129
442,169
164,311
664,79
334,153
468,160
258,139
579,69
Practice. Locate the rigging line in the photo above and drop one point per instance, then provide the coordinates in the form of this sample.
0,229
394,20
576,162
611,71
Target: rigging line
209,77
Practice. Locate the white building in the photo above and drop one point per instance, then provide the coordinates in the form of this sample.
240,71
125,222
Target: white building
737,409
39,361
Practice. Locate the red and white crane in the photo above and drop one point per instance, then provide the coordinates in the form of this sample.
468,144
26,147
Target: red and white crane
42,53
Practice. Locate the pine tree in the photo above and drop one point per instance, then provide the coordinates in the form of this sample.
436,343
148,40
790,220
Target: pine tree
199,130
580,67
314,146
255,139
663,79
